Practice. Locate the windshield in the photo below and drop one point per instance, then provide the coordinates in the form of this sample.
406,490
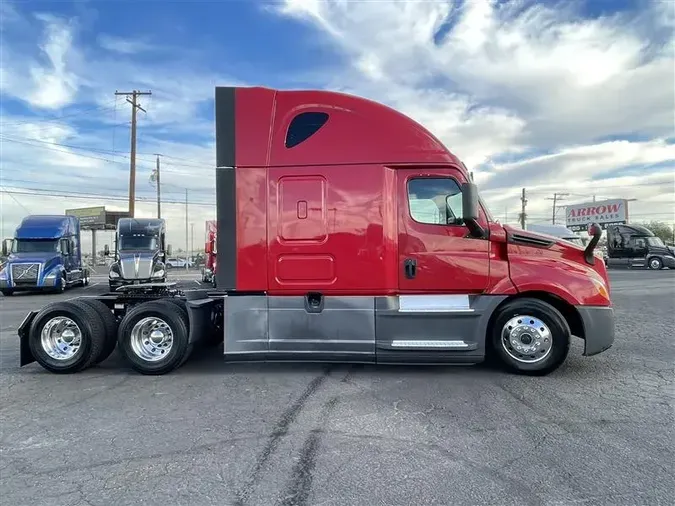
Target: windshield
35,246
138,242
655,241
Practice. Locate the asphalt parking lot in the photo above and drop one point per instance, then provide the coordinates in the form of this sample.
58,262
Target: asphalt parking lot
599,431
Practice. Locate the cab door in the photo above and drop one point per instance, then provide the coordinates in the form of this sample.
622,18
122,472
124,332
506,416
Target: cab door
435,251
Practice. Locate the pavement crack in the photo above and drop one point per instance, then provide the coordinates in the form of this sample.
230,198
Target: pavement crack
300,484
280,430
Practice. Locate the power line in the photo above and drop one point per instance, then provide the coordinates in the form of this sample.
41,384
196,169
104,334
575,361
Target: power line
97,187
30,141
556,197
102,107
84,196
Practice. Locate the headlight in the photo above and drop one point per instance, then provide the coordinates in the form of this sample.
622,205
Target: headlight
158,274
114,271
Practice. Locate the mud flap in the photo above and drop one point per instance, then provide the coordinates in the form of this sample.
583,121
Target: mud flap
25,355
199,314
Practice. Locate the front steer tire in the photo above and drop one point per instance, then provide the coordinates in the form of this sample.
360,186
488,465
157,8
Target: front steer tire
92,337
175,317
555,323
109,323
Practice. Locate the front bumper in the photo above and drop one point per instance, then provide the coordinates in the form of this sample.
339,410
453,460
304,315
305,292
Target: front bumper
668,261
599,328
47,284
116,283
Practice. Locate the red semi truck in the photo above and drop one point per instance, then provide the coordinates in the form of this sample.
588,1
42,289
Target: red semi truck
345,232
209,269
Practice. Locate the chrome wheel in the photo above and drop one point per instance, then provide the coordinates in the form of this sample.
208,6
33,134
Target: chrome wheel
151,339
655,263
61,338
526,339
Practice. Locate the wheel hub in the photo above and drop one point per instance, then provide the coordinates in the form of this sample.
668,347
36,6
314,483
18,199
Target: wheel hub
151,339
61,338
526,339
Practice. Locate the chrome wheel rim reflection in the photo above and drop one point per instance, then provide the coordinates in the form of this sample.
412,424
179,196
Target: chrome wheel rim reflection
151,339
61,338
527,339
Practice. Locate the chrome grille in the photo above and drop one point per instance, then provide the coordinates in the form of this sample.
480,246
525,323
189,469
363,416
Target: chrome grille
25,273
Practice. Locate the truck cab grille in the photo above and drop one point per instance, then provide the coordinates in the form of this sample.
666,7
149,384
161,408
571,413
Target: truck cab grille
25,273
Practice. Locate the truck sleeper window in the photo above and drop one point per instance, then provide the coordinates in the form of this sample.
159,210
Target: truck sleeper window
435,201
303,126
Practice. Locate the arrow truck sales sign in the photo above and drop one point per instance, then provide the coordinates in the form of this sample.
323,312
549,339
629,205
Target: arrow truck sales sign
605,212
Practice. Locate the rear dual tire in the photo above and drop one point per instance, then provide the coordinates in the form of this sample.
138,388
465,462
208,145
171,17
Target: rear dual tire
154,336
67,337
529,336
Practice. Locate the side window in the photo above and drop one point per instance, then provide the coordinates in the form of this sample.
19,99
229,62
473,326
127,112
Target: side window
435,201
303,126
640,243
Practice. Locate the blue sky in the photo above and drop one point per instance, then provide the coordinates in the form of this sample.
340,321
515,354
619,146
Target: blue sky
552,96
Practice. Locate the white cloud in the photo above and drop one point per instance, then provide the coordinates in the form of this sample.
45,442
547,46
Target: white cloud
124,46
527,96
46,80
514,80
36,153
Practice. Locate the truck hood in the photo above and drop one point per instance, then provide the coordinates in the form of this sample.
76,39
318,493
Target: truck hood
662,250
33,257
137,264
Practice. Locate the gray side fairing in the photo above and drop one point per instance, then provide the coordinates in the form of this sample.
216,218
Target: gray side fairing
353,329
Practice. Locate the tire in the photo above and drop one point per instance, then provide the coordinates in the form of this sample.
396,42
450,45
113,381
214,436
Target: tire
109,323
655,263
85,278
177,323
92,337
554,341
8,293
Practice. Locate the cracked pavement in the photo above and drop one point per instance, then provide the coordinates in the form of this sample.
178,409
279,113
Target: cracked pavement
599,431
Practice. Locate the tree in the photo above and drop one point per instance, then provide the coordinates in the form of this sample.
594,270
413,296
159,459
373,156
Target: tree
660,229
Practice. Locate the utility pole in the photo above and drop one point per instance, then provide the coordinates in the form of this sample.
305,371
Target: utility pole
155,177
192,239
186,229
523,204
132,163
556,198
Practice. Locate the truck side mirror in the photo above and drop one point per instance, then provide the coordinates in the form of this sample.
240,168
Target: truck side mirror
470,210
65,246
106,250
168,250
6,247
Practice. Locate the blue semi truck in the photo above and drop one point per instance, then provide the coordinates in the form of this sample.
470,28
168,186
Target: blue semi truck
45,254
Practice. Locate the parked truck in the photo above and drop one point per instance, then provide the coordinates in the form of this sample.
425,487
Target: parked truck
45,254
140,252
209,269
633,246
346,232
